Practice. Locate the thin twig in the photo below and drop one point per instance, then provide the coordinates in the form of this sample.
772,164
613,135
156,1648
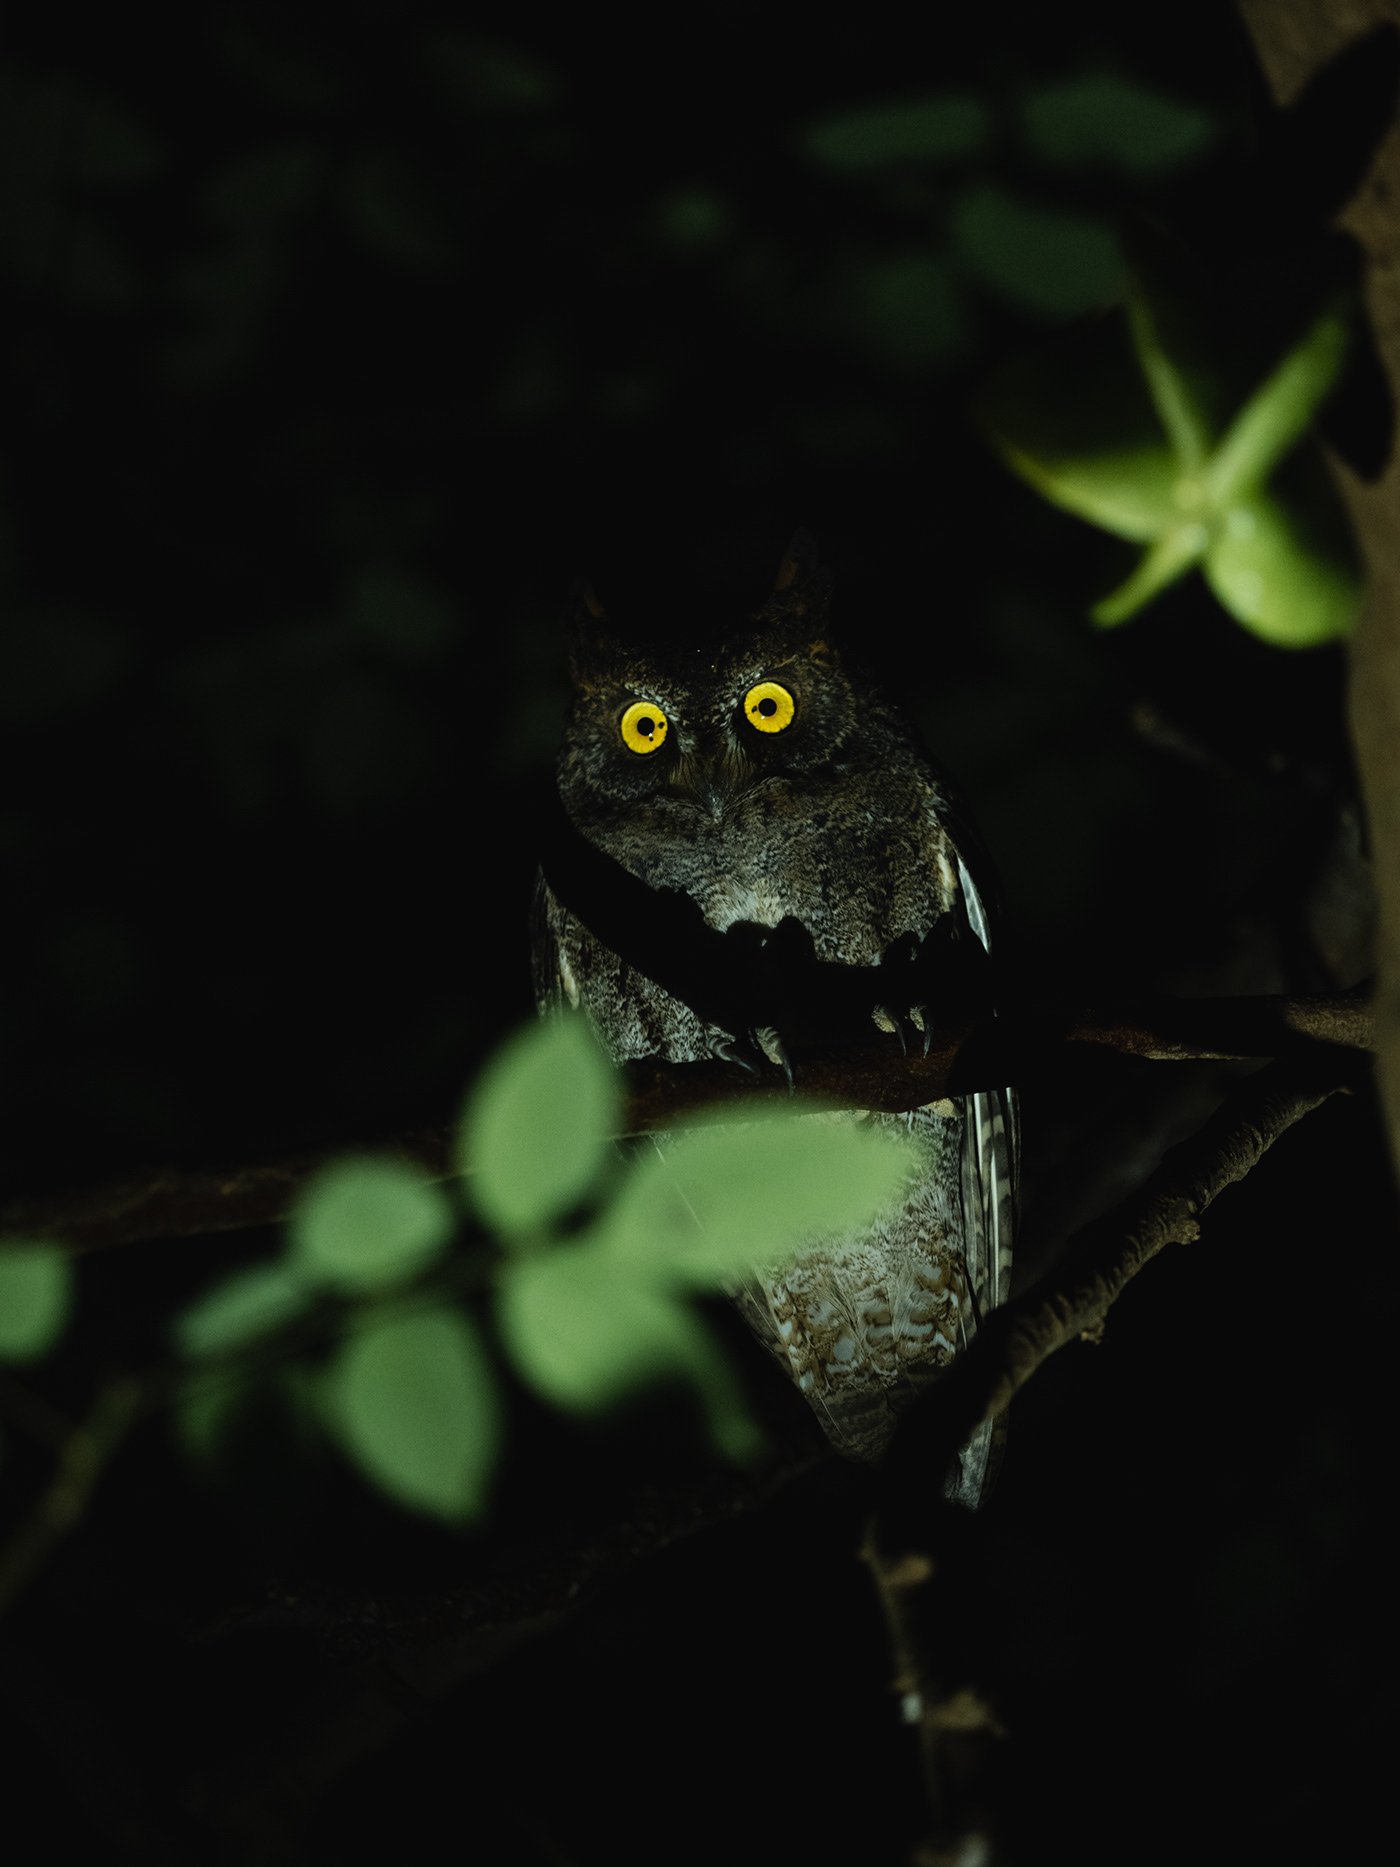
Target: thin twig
83,1458
955,1727
962,1056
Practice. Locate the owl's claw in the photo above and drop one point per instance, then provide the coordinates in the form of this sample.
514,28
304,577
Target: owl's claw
894,1024
763,1039
775,1050
732,1052
916,1018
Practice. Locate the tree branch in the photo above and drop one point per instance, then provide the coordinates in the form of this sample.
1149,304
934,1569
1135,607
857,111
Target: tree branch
1073,1302
914,1537
962,1056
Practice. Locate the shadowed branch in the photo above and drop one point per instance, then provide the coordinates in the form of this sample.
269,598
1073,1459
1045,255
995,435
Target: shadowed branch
962,1056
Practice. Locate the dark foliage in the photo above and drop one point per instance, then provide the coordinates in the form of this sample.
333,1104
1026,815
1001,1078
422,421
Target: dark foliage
335,354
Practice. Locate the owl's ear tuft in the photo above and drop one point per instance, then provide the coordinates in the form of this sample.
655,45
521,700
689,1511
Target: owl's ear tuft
587,635
802,595
802,572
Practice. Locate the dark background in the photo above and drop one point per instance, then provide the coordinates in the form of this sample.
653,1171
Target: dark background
332,357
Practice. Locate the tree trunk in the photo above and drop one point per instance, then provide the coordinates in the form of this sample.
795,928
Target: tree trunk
1293,39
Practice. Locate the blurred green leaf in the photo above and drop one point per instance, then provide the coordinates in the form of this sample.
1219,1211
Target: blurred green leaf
1046,260
268,1420
205,1410
250,1303
1103,118
365,1222
1183,419
941,127
908,308
413,1399
488,76
1074,418
266,187
36,1294
1164,561
694,220
1129,494
1279,412
538,1123
295,83
386,202
728,1196
1140,460
1268,572
584,1330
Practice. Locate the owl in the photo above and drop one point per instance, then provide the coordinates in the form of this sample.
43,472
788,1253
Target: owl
766,853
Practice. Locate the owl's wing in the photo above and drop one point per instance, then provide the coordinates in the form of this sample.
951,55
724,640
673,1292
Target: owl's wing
544,951
990,1168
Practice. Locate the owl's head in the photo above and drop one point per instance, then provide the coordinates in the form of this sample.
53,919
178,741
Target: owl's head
706,720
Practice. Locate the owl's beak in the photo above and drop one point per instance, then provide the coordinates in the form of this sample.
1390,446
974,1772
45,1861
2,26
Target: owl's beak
710,782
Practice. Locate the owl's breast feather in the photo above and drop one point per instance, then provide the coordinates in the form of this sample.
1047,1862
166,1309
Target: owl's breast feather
856,876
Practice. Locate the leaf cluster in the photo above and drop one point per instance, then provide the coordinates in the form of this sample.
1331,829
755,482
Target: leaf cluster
370,1320
1127,437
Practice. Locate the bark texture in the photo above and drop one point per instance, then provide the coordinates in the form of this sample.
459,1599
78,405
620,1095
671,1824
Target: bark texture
1294,38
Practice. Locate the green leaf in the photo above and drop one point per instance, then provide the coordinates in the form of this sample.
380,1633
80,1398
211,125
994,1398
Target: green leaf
938,128
413,1399
1272,577
36,1294
908,308
1183,419
1169,558
729,1196
1279,412
1102,118
249,1304
365,1222
257,1429
584,1330
205,1410
1281,562
1132,495
538,1124
1075,420
1047,261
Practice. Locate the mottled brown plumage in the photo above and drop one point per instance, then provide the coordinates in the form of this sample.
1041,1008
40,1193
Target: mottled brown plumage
832,836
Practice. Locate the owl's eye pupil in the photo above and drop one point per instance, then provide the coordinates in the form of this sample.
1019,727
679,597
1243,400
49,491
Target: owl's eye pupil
768,708
646,727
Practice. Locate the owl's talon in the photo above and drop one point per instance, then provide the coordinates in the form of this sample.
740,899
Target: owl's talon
887,1021
916,1018
773,1047
732,1052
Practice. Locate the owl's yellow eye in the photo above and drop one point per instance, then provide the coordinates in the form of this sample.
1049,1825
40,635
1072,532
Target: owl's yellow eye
643,727
769,707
